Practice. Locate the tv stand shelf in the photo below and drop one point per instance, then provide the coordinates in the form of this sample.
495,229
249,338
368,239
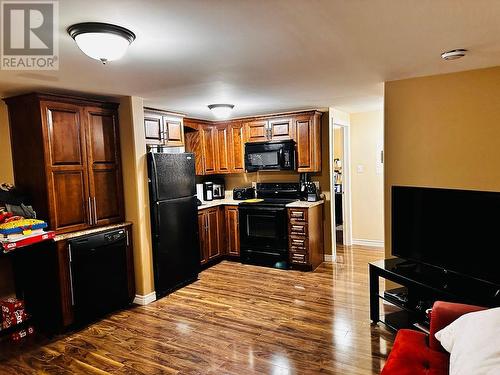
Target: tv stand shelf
422,286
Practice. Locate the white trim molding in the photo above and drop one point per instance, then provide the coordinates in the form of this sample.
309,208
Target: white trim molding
145,300
328,258
371,243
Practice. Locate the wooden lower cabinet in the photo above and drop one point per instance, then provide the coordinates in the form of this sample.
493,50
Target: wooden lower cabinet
212,233
232,231
305,237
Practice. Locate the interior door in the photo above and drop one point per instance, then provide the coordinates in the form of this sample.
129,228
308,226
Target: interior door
104,166
67,185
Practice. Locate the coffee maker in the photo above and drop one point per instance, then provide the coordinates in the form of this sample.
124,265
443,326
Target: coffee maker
307,188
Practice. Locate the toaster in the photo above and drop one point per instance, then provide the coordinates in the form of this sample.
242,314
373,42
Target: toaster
242,193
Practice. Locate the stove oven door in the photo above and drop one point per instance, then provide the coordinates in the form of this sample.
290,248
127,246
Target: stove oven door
263,229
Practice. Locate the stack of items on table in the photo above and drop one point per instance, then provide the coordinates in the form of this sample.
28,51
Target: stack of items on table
18,224
13,314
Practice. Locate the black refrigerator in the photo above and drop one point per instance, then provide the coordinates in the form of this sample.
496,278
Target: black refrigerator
174,220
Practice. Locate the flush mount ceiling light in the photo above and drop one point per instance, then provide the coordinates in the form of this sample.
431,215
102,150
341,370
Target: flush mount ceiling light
221,111
453,54
101,41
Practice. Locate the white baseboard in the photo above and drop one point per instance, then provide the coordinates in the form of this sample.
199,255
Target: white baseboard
144,300
328,258
372,243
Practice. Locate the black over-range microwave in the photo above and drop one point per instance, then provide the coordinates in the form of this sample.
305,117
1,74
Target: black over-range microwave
270,156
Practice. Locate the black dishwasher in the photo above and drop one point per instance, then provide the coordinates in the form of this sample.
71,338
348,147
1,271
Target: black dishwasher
99,282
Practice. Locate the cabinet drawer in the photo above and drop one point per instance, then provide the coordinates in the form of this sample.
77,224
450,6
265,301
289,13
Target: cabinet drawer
300,258
297,214
298,242
300,229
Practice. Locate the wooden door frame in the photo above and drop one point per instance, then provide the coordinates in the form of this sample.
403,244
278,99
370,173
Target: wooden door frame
340,118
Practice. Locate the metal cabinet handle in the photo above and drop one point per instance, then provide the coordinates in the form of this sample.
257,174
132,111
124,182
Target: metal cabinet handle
89,207
95,212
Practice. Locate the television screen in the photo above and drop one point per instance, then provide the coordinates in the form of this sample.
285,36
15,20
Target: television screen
457,230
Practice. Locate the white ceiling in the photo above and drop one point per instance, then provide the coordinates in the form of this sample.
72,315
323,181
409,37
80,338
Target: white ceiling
268,55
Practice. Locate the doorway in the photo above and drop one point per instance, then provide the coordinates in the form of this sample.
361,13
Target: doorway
338,178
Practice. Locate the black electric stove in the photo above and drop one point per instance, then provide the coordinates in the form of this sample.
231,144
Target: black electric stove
264,225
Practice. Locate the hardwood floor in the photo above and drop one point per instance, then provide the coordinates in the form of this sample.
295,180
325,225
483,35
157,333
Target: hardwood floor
237,319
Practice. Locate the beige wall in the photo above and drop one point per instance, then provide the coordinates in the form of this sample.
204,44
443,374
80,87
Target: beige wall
367,186
135,176
338,143
6,168
442,131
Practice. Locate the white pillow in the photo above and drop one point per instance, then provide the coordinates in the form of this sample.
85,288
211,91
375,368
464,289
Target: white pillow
473,341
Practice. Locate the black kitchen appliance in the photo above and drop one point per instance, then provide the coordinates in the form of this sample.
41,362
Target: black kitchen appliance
243,193
308,189
99,274
208,191
270,156
174,220
264,225
219,190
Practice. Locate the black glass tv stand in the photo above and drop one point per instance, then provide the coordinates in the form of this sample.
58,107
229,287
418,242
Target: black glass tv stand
419,287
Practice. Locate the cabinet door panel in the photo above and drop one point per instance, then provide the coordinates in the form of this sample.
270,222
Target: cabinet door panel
213,233
193,144
208,143
232,231
236,147
153,128
65,134
222,142
70,205
104,166
256,131
174,131
281,129
203,237
304,140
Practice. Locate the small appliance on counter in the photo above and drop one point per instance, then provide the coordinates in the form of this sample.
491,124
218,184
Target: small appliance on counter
199,192
243,193
308,189
208,191
219,191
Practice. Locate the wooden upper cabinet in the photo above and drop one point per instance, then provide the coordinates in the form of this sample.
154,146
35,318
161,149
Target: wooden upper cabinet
104,166
236,148
308,142
281,129
174,132
68,188
153,128
73,146
208,145
257,131
163,128
222,149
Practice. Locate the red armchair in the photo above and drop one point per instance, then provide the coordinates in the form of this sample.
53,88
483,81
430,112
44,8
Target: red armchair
416,353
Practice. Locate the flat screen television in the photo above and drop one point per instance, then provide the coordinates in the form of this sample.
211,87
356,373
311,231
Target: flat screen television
455,230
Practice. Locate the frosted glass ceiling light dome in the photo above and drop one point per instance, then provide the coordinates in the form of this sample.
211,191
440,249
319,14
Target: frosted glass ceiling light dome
101,41
221,111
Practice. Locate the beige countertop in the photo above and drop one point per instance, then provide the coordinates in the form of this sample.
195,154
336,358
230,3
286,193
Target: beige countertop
67,236
229,201
304,204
